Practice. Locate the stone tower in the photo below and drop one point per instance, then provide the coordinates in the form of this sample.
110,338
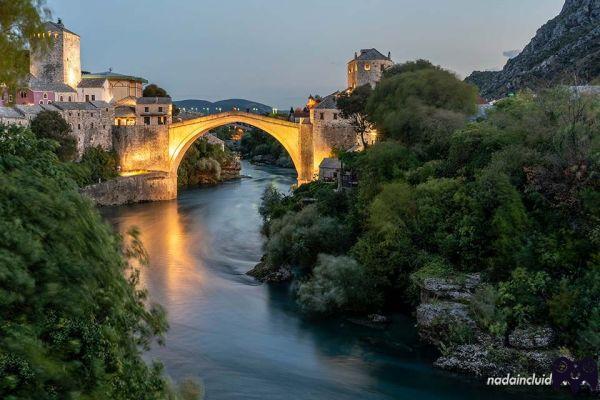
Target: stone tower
61,63
367,67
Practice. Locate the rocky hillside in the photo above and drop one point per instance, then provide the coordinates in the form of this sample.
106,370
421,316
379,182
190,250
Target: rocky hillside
566,50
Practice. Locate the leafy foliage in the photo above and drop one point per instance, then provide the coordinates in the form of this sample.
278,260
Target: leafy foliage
338,283
421,105
203,164
51,125
73,317
513,196
20,21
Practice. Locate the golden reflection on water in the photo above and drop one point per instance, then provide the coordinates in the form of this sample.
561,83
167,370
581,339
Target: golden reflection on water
171,243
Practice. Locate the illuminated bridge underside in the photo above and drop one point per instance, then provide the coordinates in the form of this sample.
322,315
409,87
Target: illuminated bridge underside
183,134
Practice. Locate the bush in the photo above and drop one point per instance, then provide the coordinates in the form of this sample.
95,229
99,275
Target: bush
297,238
51,125
337,284
102,164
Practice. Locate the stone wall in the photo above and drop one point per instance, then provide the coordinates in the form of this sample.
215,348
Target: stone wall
91,127
329,132
361,72
142,147
153,186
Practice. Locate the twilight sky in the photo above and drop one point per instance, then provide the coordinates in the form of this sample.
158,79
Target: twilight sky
279,52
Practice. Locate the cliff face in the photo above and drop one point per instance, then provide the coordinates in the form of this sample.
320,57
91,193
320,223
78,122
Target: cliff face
566,50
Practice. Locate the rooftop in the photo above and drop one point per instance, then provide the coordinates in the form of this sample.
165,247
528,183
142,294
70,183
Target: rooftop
113,76
42,86
124,112
370,54
79,106
331,163
154,100
92,83
57,27
10,112
34,109
328,102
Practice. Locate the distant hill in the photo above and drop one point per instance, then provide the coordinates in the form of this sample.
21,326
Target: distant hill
566,50
208,107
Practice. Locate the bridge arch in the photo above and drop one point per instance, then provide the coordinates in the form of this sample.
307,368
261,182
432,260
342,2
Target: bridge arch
183,134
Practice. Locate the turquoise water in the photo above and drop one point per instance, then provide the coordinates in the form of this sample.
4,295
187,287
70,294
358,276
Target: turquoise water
245,340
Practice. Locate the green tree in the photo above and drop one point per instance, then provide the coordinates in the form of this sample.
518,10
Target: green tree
20,21
102,164
73,319
153,90
337,284
421,107
352,106
51,125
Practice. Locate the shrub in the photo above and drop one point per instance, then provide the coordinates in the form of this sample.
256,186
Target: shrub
297,238
51,125
336,284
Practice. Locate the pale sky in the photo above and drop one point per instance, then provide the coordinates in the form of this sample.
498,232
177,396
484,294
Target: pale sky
279,52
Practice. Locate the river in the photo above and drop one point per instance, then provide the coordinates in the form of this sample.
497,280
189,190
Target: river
246,340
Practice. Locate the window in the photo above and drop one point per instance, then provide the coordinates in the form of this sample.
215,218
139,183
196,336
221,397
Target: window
23,94
322,115
146,120
87,97
382,67
92,125
45,95
78,126
61,98
93,97
146,109
334,115
69,113
41,101
160,109
103,126
161,121
70,98
10,98
367,67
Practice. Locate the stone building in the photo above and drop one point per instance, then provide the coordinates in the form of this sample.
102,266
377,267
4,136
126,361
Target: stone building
118,87
329,128
94,89
11,116
154,111
367,68
91,123
61,63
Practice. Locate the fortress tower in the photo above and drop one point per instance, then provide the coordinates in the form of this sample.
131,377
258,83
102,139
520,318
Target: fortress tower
367,67
62,61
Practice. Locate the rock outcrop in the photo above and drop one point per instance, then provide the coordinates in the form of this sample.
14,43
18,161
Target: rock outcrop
566,50
444,319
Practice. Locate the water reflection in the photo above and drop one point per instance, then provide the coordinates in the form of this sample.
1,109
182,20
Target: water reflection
246,340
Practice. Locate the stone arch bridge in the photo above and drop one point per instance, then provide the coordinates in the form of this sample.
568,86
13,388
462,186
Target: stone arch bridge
151,155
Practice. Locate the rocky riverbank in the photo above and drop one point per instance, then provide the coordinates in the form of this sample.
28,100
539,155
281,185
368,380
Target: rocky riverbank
447,319
266,159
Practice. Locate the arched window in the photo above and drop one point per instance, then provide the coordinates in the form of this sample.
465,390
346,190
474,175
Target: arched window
45,95
367,67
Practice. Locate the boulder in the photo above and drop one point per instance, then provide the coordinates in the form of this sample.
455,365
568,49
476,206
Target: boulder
533,337
474,359
434,319
449,288
265,273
